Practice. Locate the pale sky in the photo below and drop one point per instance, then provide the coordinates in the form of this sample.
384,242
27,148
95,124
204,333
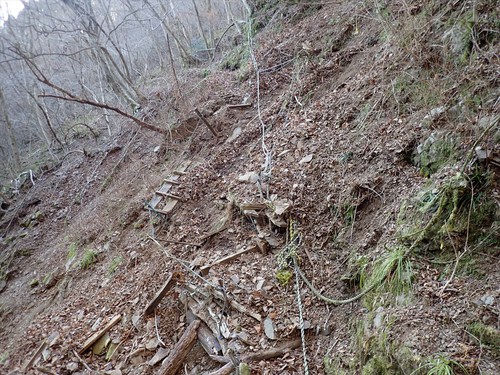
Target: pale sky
12,7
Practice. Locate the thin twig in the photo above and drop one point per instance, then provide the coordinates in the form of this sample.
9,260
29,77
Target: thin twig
158,333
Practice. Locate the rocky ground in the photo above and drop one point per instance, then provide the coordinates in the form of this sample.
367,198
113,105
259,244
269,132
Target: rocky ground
370,145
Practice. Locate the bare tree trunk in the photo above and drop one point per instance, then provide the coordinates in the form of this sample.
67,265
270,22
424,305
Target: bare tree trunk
174,73
10,134
200,29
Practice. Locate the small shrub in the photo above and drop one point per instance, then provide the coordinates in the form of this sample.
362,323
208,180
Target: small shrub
441,365
115,263
88,259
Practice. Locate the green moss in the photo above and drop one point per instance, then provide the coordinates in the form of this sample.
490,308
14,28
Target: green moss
333,366
436,152
487,335
440,218
284,276
237,58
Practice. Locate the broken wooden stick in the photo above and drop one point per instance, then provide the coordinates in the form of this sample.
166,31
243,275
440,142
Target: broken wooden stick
96,336
174,361
235,305
38,352
181,243
168,195
204,270
171,181
169,284
198,113
253,357
244,105
205,336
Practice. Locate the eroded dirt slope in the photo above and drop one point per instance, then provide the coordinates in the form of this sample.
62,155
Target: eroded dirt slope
369,114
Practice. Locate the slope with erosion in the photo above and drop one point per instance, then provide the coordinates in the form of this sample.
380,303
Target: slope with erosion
372,115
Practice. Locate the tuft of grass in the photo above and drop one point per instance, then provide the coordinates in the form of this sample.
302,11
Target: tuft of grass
441,365
4,357
392,272
333,366
115,263
88,259
72,251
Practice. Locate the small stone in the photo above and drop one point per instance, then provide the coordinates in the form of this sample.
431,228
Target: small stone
379,318
487,300
269,329
250,177
306,159
72,366
152,344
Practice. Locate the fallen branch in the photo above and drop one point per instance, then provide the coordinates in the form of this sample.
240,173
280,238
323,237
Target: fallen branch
235,305
169,284
96,336
39,351
174,361
205,336
238,106
205,122
68,96
254,357
204,270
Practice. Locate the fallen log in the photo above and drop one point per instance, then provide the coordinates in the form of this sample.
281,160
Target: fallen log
174,361
254,357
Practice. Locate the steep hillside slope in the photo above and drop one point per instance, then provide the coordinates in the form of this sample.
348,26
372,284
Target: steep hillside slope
360,164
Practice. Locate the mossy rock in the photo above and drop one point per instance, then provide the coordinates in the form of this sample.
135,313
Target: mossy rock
438,150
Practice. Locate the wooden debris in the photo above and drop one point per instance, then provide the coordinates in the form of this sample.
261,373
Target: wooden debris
160,294
198,113
168,195
204,270
38,352
182,243
179,173
254,357
252,206
171,181
96,336
261,245
239,106
200,311
167,185
205,336
235,305
159,356
174,361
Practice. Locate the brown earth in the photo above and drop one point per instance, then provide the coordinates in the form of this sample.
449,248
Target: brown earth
340,139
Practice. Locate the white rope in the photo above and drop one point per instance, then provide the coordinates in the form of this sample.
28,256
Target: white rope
267,165
301,318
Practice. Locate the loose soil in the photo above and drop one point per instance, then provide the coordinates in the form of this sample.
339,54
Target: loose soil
340,141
